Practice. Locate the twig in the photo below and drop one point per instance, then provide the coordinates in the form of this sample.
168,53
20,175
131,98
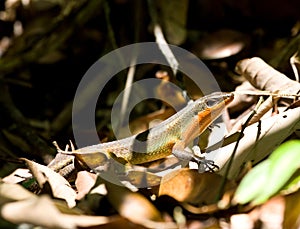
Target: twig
222,187
293,61
160,39
127,90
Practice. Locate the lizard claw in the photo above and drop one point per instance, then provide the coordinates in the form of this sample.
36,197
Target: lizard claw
203,164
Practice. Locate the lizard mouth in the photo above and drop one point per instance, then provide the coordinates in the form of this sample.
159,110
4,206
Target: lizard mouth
228,98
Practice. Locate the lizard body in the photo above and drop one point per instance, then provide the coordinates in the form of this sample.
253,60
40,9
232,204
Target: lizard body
171,136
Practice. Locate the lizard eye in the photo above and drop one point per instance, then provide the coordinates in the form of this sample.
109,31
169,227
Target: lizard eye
213,101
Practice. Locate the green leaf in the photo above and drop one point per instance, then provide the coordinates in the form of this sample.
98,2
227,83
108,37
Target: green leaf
284,162
252,184
268,177
293,184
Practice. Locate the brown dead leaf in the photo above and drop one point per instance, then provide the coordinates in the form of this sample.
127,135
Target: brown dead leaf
13,192
17,176
292,209
170,94
135,207
59,185
41,211
131,205
188,185
84,182
263,77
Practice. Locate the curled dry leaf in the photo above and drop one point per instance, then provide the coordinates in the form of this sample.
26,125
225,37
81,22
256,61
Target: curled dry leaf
59,185
263,77
260,139
188,185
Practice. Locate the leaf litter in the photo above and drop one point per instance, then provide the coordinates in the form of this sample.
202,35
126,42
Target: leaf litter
178,199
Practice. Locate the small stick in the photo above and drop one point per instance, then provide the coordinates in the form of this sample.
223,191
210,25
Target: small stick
221,190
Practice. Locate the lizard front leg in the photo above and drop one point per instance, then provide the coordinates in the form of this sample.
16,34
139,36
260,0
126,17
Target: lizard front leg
179,150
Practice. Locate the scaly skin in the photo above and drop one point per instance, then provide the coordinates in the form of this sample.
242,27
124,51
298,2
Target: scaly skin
171,136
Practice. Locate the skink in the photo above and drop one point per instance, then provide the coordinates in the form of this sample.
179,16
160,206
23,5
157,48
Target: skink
171,136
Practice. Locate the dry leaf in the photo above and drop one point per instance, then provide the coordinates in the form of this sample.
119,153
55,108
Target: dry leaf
42,212
13,192
292,209
263,77
17,176
268,215
59,185
84,182
135,207
130,205
258,141
188,185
